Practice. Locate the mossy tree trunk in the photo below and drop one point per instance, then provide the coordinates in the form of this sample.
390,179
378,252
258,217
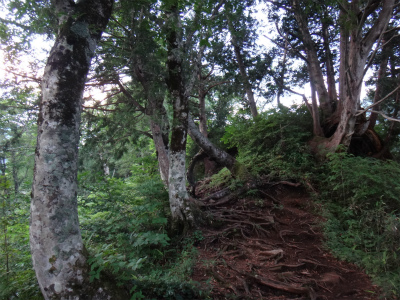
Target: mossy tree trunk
58,253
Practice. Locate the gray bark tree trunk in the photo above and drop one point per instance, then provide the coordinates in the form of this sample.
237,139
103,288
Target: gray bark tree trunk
281,79
315,70
317,129
330,71
181,213
58,254
157,114
355,49
162,150
245,79
359,48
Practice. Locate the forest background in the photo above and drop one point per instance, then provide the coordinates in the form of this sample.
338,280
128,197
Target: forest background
175,90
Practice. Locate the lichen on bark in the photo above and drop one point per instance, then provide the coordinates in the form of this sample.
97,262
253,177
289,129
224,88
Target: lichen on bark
58,253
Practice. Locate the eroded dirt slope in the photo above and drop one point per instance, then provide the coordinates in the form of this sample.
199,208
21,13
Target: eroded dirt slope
270,246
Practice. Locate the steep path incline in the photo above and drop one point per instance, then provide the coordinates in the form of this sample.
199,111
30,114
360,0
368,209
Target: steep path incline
269,246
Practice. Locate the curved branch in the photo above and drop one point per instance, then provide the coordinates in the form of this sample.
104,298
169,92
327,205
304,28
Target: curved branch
377,102
386,116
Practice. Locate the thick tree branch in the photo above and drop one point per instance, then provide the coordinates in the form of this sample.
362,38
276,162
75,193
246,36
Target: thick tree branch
212,151
378,46
379,26
369,9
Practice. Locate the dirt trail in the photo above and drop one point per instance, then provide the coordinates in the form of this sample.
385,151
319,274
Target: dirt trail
269,246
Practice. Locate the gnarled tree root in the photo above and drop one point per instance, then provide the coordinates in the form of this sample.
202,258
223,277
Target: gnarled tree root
279,285
209,201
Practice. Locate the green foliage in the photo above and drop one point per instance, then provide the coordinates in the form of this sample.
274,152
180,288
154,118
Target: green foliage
17,276
364,181
17,138
109,144
362,204
120,215
274,143
172,282
124,224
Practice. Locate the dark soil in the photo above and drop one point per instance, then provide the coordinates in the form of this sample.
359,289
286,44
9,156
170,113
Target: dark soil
269,245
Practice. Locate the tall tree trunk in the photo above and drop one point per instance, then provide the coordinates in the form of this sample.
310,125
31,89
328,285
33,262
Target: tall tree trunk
242,68
58,253
315,70
344,54
16,180
157,114
245,79
386,52
359,48
281,78
330,71
178,196
162,151
317,129
160,138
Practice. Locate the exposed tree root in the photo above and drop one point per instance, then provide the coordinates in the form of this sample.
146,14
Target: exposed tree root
264,253
279,267
224,195
295,184
270,197
245,285
218,195
278,285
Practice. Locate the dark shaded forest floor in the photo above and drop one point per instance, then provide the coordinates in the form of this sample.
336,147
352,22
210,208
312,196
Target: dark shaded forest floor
270,246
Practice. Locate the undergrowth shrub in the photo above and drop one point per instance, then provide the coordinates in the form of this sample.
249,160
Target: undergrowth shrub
17,277
362,200
124,224
274,143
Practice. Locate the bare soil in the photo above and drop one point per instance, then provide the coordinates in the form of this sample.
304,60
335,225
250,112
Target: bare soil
269,245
